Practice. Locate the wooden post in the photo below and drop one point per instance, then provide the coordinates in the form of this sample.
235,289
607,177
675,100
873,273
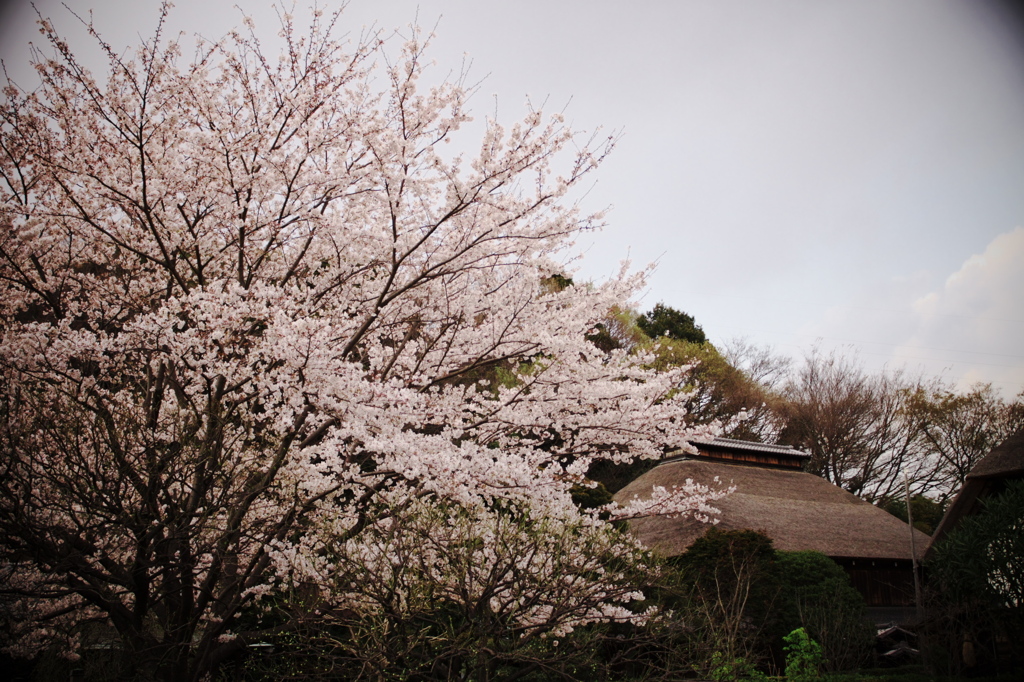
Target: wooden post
913,549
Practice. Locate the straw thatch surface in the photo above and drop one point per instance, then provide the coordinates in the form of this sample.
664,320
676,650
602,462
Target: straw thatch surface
799,511
1006,460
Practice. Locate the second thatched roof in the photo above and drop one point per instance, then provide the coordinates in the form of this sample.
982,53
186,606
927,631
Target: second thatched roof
799,511
1003,463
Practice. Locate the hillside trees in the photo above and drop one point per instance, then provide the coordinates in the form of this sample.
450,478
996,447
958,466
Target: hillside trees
731,392
718,392
249,311
734,387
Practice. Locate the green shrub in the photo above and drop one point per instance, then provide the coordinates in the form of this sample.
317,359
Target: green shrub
725,669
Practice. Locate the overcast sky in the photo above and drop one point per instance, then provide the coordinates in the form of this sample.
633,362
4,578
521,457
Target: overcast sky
847,173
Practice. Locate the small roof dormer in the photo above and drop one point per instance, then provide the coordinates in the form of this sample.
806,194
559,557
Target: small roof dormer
749,452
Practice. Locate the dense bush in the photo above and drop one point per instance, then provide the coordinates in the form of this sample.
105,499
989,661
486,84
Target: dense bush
744,597
817,596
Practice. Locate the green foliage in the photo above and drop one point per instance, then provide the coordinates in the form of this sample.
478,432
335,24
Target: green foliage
675,324
983,558
615,476
603,338
618,330
590,496
723,669
743,597
508,374
927,512
804,657
809,569
556,283
718,390
735,567
717,552
670,353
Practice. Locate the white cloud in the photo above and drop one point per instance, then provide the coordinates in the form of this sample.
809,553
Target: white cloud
974,323
964,329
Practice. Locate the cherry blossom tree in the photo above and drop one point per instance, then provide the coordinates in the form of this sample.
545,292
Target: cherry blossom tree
248,302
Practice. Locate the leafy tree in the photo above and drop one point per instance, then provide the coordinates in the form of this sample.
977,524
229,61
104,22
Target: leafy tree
732,391
251,313
716,393
983,557
663,320
743,597
927,512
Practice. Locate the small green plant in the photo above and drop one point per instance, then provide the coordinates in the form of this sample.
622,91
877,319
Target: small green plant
724,669
804,658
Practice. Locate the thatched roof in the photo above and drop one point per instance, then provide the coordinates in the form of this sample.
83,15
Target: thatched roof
1004,462
799,511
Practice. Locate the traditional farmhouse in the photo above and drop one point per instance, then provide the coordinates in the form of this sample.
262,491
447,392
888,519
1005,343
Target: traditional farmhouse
799,511
988,478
